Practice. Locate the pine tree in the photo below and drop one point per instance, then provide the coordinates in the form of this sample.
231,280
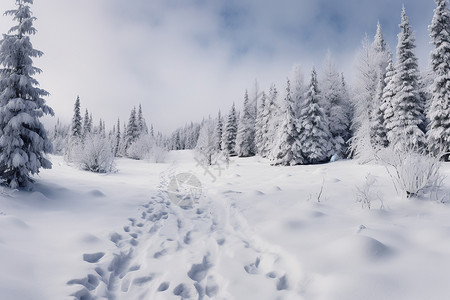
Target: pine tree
229,135
245,138
86,125
378,132
117,140
142,125
335,106
23,141
205,147
405,128
218,133
132,133
438,134
76,130
275,117
259,126
313,126
288,150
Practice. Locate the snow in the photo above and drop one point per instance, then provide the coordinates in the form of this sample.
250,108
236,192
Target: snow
258,232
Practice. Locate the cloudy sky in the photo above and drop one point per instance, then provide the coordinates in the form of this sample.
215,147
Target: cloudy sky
185,59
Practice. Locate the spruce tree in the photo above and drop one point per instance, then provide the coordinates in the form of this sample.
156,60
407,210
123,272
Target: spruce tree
76,129
335,106
23,139
313,126
438,134
245,137
288,150
132,133
117,140
259,126
405,131
229,135
218,133
86,125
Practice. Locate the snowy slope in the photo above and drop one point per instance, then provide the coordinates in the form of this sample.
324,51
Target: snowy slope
258,232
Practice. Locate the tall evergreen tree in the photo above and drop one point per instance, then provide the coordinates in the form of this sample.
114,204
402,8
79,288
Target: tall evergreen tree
218,133
87,128
229,134
438,134
245,137
76,129
132,133
274,121
335,106
313,126
117,139
288,150
142,125
405,130
23,141
259,126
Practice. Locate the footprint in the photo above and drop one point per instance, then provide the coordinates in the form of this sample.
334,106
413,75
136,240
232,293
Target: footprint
93,257
115,238
142,280
253,267
283,283
212,288
163,286
90,282
182,290
198,271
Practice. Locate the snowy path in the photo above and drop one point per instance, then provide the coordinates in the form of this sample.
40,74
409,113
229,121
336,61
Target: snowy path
208,252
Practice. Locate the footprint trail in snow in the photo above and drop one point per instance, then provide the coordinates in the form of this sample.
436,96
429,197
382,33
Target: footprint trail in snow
208,252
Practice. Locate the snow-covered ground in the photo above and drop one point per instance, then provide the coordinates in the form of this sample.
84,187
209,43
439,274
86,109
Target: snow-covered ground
258,232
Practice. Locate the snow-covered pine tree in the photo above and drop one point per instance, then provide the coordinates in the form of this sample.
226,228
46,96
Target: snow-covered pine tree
287,151
218,133
259,126
378,132
229,134
276,113
382,56
335,106
298,90
87,127
117,140
132,132
205,147
313,126
364,93
142,124
76,127
245,137
438,134
23,141
268,133
408,107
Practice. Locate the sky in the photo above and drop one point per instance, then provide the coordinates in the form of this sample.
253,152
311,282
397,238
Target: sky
183,60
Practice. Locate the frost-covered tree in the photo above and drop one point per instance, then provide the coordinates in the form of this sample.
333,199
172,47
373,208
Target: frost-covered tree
218,133
408,107
76,129
117,137
313,126
87,124
364,93
132,132
372,62
142,124
229,134
298,89
336,108
23,139
269,113
260,134
275,115
288,151
245,137
205,147
438,134
382,53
